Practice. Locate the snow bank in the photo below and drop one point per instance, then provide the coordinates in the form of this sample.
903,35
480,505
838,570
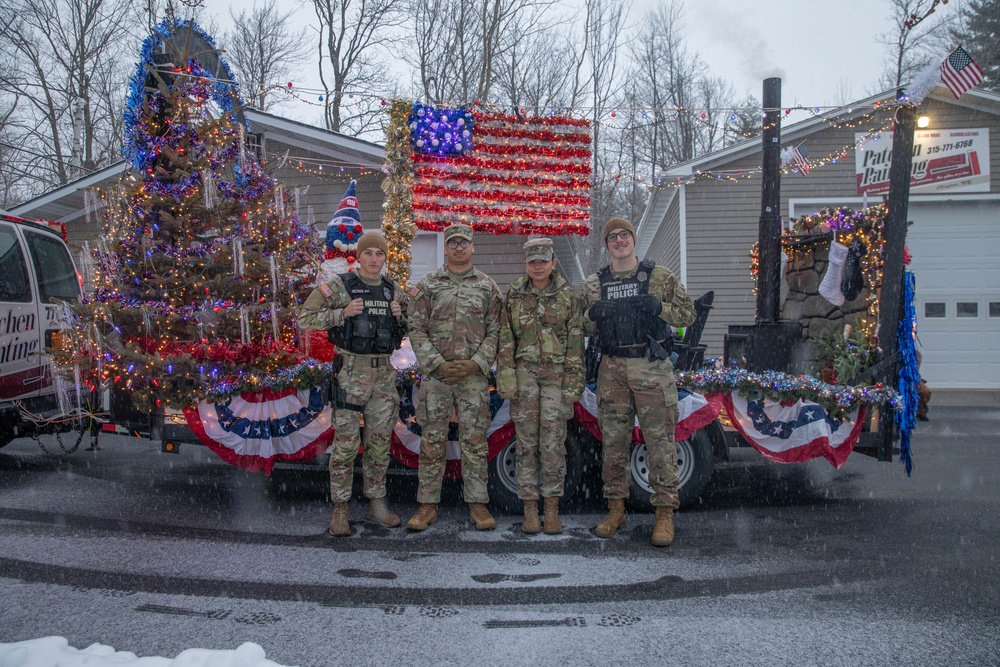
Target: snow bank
53,651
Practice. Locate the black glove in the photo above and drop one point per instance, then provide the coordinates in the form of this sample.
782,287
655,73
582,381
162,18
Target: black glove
602,310
647,303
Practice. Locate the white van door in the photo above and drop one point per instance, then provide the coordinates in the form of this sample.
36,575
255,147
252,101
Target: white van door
20,330
56,280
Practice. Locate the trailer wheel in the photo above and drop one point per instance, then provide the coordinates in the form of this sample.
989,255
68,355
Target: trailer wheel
694,469
503,473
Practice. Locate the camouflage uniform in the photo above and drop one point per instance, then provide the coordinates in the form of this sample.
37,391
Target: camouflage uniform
370,381
629,388
454,317
541,363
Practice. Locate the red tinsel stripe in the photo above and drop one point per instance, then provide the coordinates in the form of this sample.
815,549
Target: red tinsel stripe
229,352
502,165
500,195
535,135
502,212
483,117
525,228
532,150
432,173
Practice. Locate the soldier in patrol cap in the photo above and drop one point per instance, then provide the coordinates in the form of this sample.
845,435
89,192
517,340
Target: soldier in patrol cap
541,369
364,316
454,327
630,306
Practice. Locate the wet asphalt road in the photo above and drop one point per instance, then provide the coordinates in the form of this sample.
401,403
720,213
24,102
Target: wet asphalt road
154,553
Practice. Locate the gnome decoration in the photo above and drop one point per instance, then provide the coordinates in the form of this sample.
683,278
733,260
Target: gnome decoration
342,235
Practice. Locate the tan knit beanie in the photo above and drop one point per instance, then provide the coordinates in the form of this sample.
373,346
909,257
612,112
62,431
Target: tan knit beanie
617,223
373,239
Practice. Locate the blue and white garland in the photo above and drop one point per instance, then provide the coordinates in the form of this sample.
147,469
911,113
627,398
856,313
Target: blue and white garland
224,93
909,373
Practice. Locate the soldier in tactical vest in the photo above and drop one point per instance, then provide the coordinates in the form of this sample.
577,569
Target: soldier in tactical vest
454,328
363,314
540,369
630,306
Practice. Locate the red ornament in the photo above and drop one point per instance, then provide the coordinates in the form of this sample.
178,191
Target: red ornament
341,228
613,114
383,102
704,116
350,235
358,229
289,84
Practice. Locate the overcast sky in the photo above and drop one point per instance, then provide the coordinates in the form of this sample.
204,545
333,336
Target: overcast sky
826,53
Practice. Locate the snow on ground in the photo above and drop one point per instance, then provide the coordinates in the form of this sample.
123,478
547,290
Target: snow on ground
56,652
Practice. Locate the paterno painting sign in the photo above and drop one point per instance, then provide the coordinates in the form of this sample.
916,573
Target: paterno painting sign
943,161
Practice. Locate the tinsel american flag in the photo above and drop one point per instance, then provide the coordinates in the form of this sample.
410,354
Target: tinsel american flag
500,173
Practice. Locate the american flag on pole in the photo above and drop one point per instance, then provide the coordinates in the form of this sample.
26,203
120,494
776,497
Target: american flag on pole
960,72
800,160
500,173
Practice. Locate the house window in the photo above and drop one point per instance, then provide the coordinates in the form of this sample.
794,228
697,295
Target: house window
967,309
934,310
994,308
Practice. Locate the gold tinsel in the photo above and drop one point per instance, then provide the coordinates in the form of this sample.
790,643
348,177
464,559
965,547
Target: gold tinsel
397,223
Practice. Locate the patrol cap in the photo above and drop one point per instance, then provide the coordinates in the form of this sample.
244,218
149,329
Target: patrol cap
539,248
373,239
615,224
461,231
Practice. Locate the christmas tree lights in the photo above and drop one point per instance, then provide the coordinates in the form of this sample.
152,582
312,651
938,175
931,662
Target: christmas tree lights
203,261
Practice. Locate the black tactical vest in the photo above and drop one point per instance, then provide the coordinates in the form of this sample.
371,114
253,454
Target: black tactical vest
375,330
628,333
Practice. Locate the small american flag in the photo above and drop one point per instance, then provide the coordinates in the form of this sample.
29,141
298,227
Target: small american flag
500,173
960,72
800,160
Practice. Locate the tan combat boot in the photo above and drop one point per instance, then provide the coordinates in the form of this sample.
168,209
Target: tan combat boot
339,527
663,531
530,523
380,513
425,515
613,521
481,517
553,526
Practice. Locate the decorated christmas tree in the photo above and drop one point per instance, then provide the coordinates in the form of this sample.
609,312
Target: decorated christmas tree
203,260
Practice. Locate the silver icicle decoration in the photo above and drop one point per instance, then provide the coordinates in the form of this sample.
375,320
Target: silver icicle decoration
279,202
274,320
274,278
238,267
244,325
208,189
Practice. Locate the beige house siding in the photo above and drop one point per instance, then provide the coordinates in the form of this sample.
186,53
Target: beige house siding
666,246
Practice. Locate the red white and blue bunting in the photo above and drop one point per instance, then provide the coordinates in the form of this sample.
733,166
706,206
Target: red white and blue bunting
255,430
793,432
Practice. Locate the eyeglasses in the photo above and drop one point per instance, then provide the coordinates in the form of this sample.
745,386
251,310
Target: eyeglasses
624,235
458,243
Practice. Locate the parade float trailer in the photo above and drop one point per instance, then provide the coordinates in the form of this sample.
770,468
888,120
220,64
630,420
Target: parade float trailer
189,334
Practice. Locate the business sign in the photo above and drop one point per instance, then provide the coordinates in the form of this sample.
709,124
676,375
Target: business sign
943,161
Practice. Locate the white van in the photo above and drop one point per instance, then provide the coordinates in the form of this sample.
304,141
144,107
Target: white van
36,268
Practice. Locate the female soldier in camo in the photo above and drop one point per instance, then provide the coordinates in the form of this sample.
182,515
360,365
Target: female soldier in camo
541,371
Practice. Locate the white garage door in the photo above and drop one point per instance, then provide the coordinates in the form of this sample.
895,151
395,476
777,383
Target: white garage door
956,260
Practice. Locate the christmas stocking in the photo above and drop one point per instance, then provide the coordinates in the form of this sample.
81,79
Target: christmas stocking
830,287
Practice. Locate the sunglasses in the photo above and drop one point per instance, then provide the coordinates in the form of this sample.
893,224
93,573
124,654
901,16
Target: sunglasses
459,243
624,235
